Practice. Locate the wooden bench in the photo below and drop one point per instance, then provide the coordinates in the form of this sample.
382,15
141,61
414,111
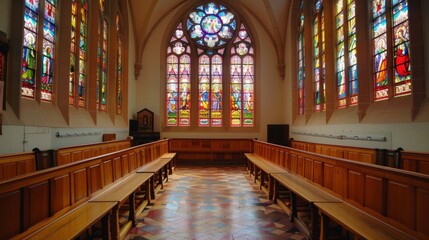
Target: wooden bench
298,201
125,192
159,170
74,223
357,222
397,197
262,170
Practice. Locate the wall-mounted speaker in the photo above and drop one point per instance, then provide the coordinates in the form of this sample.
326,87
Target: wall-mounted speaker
278,134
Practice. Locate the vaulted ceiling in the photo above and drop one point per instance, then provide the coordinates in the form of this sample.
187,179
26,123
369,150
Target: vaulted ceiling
271,14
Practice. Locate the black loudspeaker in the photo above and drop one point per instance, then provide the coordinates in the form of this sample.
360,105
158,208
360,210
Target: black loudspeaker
278,134
134,126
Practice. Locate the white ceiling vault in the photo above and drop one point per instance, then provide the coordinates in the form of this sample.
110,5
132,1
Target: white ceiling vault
271,14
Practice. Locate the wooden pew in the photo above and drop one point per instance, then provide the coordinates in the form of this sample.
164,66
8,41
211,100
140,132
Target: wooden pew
262,171
76,153
75,222
359,224
297,196
12,165
125,192
394,196
37,199
160,169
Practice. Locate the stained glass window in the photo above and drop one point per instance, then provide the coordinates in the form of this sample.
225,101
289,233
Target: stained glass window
319,56
347,81
103,27
401,74
48,53
242,81
211,26
78,51
379,34
29,59
301,63
119,67
34,11
401,52
178,94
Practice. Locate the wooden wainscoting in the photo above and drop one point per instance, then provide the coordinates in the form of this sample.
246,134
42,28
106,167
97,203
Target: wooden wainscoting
210,151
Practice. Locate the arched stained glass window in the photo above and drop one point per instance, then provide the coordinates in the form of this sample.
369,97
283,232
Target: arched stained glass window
36,11
401,52
399,33
301,60
78,48
119,67
242,81
222,45
178,93
102,56
347,81
319,56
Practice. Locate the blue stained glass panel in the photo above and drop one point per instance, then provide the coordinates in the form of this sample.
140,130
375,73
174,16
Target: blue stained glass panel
30,20
49,12
49,31
32,4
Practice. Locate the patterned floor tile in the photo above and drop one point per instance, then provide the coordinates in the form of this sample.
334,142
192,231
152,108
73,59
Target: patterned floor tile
205,203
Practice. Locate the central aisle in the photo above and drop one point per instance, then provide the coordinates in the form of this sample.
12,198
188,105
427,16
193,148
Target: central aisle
213,203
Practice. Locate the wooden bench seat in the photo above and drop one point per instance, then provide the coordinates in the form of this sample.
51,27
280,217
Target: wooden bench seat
125,192
160,168
74,223
359,223
262,170
298,200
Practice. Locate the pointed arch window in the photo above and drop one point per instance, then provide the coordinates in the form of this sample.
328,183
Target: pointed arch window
319,56
223,53
392,25
39,17
178,94
301,60
347,78
78,57
101,94
119,67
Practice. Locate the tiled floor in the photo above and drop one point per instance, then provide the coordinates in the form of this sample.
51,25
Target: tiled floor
212,203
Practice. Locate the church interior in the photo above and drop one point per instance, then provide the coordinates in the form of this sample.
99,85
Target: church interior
322,101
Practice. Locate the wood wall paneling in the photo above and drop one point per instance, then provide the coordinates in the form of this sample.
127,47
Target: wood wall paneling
38,202
340,181
125,164
355,187
422,210
95,179
77,156
328,176
300,165
60,193
373,193
10,220
400,204
308,168
318,172
108,172
87,153
9,170
117,168
80,184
